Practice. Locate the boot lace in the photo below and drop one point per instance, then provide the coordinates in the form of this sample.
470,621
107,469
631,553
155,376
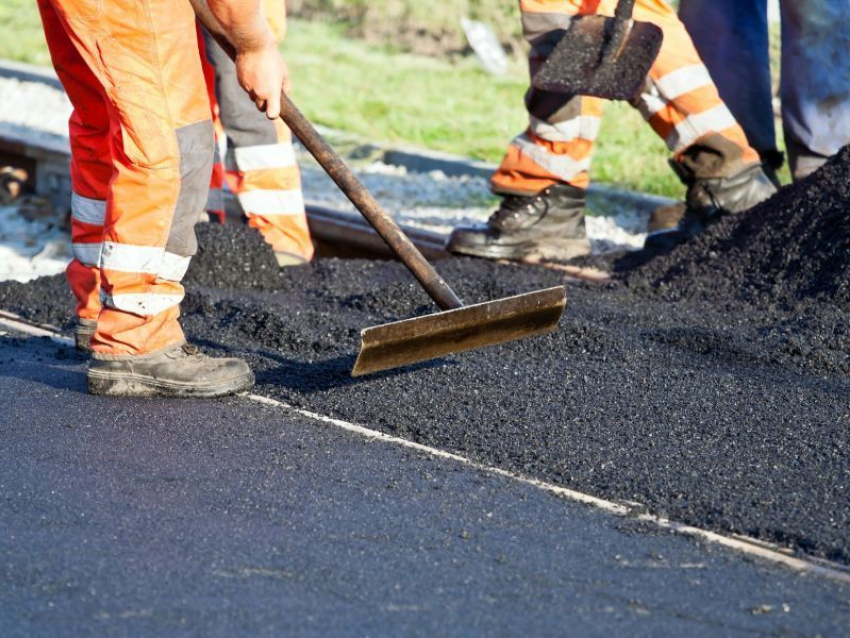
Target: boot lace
191,350
516,209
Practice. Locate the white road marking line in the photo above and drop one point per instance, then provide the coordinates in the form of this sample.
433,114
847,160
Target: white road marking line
20,325
749,546
375,435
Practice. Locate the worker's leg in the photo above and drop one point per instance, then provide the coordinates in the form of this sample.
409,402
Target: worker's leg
264,174
143,58
731,37
140,59
681,103
815,84
215,207
558,144
711,153
91,169
544,174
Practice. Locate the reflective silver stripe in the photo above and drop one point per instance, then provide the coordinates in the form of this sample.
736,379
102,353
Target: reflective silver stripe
128,258
143,304
143,259
699,125
88,211
671,86
87,254
562,166
272,202
684,80
252,158
584,127
173,267
651,101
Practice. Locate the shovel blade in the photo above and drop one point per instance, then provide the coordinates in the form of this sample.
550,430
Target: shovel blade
578,65
413,340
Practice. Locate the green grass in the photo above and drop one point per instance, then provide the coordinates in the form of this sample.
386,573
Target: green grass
382,94
397,97
21,37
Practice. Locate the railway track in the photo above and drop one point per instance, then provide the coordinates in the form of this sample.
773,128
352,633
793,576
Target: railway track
337,232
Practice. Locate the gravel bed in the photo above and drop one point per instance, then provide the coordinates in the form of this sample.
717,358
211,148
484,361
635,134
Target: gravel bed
30,249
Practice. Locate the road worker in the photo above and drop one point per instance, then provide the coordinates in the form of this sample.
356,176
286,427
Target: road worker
732,37
260,166
142,151
544,175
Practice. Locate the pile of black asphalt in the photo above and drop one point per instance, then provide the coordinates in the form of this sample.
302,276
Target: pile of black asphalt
792,250
711,391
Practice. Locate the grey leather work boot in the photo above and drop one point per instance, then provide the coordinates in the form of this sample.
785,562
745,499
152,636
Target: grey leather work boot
83,332
707,199
547,226
181,371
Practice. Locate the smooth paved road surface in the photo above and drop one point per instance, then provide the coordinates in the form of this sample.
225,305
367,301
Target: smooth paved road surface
226,518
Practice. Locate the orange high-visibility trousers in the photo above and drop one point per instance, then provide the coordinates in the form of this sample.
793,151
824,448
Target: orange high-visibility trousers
259,167
142,144
680,102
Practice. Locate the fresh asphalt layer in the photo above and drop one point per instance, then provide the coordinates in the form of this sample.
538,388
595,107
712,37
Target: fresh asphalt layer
163,517
727,418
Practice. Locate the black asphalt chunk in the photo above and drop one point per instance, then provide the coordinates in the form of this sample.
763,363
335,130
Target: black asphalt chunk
718,398
169,517
49,300
239,259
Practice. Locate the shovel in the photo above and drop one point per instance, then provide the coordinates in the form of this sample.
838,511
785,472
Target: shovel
602,57
458,327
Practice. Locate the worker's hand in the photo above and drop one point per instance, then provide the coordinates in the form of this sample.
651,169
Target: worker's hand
262,72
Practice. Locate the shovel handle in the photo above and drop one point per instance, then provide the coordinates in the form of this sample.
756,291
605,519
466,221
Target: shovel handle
622,19
360,196
624,9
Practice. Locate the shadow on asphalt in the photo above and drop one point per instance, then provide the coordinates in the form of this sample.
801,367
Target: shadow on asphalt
319,376
62,378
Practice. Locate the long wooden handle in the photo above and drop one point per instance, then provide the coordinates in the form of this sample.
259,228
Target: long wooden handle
624,9
368,206
622,25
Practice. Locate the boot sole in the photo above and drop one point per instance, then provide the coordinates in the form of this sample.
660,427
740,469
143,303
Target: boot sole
117,384
546,250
